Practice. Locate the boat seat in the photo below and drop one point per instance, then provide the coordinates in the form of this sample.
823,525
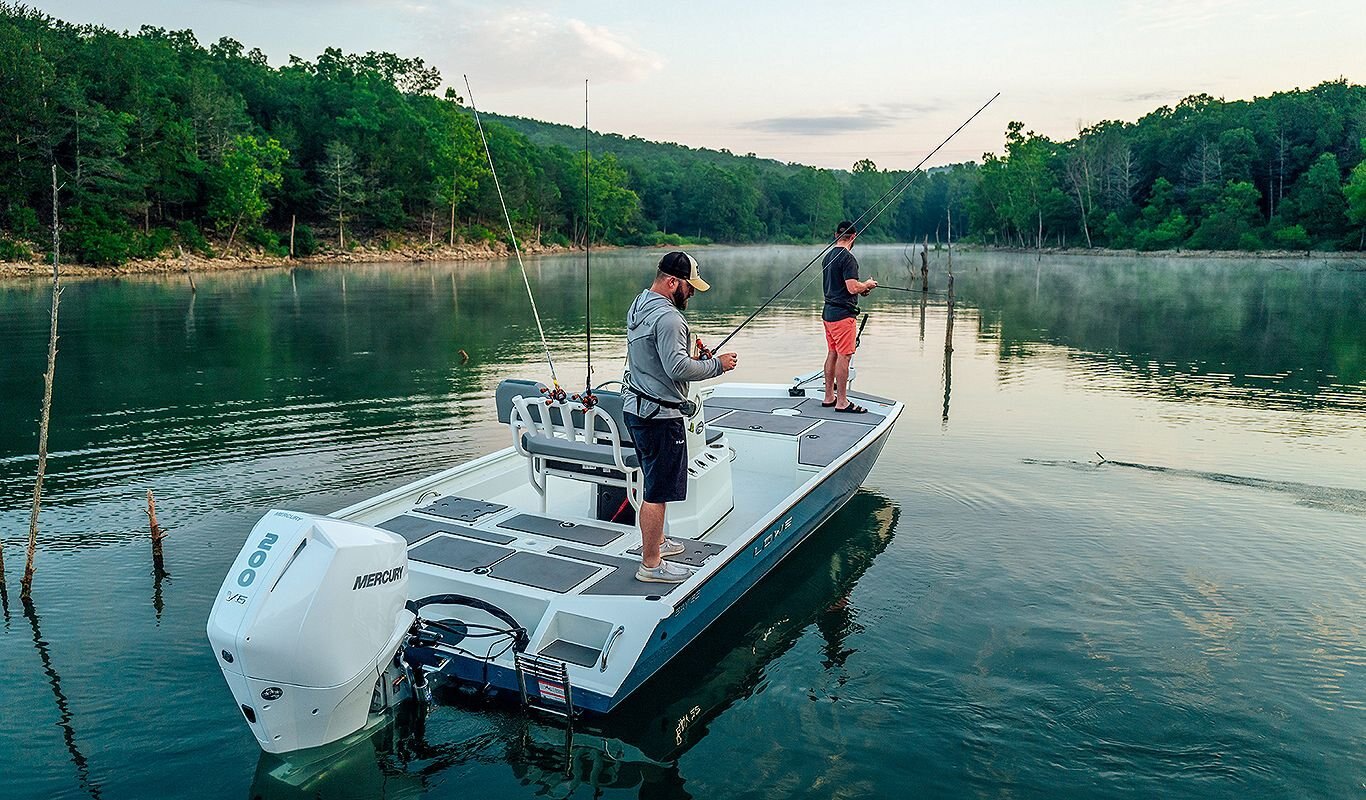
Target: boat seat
556,435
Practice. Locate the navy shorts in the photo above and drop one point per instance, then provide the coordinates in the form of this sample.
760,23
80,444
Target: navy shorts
662,445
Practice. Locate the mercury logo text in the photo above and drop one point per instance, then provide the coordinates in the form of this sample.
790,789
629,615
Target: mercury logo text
377,578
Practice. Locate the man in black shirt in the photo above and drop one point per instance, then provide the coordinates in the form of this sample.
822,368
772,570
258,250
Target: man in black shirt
842,290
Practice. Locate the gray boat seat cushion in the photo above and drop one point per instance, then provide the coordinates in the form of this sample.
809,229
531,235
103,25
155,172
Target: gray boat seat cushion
565,450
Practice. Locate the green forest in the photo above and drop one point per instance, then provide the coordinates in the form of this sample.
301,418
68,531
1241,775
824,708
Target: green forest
162,144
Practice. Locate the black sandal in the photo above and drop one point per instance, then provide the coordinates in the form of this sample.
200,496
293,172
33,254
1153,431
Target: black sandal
830,404
852,408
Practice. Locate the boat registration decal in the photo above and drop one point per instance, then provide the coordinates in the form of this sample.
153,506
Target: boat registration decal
551,691
772,536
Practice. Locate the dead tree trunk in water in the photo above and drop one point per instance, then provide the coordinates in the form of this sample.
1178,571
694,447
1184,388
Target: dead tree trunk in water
26,586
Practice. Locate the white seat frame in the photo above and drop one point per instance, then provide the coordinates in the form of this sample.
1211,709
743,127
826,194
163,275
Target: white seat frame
531,416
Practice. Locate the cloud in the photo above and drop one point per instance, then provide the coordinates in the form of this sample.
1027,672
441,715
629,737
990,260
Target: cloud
526,48
864,118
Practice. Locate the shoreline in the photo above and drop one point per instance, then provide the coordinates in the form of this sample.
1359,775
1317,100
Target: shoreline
191,264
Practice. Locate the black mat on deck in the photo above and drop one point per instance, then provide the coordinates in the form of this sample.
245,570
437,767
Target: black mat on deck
556,529
811,409
571,653
461,508
767,423
822,446
543,572
696,554
763,404
622,578
713,412
414,529
461,554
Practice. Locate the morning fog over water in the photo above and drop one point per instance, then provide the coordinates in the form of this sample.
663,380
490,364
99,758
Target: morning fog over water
1113,547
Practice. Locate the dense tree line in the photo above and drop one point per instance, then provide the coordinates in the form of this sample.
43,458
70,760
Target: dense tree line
163,143
1283,171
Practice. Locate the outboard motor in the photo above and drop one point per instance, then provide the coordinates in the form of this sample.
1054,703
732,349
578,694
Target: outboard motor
307,625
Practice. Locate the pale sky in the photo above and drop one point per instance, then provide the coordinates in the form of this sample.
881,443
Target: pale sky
882,80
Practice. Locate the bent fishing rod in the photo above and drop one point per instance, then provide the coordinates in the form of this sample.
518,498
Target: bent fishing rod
885,201
557,394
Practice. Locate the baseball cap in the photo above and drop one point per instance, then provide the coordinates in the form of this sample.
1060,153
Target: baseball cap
681,265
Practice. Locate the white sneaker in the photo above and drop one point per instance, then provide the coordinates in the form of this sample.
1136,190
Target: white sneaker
672,547
664,573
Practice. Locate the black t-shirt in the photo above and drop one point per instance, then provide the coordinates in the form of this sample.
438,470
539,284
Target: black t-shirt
839,265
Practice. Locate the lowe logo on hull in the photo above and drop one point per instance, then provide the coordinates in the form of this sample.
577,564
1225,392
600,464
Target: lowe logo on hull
377,578
255,560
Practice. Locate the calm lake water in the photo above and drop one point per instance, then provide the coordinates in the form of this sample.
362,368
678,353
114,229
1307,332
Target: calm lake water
999,613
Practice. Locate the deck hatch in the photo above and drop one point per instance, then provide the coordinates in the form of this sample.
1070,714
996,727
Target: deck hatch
557,529
415,529
823,445
461,554
460,508
543,572
765,423
621,580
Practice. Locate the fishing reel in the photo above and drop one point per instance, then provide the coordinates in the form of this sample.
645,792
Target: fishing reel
703,352
555,395
586,398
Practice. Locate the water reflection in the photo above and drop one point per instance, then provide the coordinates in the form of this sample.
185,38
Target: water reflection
639,745
64,715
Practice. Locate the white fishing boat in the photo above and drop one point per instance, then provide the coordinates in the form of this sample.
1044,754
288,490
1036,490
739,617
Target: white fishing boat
516,572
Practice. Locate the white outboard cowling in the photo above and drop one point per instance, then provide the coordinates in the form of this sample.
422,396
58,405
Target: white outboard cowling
307,622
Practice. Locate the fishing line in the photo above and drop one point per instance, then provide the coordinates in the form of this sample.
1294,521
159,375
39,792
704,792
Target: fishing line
515,248
587,397
885,201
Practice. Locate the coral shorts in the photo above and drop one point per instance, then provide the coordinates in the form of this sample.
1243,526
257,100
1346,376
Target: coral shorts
840,336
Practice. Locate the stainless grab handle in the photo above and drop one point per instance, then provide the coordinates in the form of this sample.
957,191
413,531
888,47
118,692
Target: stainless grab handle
611,640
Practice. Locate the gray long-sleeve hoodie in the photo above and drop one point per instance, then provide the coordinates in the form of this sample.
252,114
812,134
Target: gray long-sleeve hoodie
658,361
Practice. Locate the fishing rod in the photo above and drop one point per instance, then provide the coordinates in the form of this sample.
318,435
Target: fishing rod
553,395
586,397
885,201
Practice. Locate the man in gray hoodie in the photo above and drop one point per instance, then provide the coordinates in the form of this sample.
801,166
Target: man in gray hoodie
659,366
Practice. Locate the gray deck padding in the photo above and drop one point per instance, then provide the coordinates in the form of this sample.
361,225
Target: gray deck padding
572,653
821,446
543,572
621,580
460,508
696,554
556,529
768,423
461,554
764,404
811,409
415,529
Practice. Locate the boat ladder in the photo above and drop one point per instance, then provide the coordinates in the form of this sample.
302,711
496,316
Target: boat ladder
554,695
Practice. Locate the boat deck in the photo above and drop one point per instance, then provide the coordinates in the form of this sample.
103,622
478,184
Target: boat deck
503,537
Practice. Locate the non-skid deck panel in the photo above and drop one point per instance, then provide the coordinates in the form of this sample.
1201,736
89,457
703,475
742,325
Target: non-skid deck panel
557,529
710,413
767,423
572,653
696,554
461,554
621,580
762,404
811,408
872,398
415,529
460,508
821,446
543,572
